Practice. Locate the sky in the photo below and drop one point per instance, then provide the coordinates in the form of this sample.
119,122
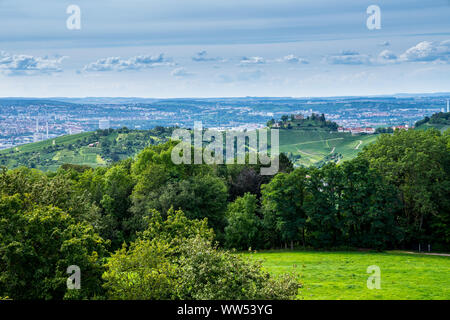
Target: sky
223,48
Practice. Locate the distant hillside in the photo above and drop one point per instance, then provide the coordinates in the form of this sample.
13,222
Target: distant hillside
97,148
317,147
440,121
309,145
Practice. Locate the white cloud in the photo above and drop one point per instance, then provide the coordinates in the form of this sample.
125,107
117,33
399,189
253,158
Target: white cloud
28,65
181,72
133,63
349,57
387,56
293,59
427,51
252,60
202,56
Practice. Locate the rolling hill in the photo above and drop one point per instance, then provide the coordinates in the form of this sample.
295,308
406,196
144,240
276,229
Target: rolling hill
314,146
97,148
439,121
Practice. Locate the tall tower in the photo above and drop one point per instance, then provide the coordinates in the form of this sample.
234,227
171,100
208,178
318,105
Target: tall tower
36,133
448,105
47,129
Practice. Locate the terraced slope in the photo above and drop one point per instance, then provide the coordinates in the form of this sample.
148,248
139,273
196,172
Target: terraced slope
314,147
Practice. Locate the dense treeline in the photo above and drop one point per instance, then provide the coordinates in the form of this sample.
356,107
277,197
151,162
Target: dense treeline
110,220
437,118
299,122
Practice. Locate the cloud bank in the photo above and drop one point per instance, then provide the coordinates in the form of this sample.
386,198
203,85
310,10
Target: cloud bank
290,58
22,64
349,57
133,63
202,56
427,51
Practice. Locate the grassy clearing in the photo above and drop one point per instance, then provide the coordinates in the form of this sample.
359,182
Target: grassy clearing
342,275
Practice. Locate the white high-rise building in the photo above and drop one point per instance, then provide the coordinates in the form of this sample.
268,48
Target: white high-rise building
36,135
103,124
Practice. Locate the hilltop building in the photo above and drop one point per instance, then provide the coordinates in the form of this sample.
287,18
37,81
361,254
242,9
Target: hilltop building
405,127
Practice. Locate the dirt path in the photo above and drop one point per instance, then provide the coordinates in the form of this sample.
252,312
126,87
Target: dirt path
426,253
307,153
308,142
360,142
332,151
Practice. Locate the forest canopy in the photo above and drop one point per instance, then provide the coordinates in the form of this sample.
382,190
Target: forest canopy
175,218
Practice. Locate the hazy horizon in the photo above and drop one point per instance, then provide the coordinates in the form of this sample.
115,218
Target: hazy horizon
194,48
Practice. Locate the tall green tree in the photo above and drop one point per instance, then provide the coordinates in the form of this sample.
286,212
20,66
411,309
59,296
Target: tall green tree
282,200
244,226
324,187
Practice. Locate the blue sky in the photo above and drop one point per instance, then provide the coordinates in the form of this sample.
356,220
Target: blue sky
198,48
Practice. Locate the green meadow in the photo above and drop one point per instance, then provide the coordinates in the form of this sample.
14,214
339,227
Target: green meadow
314,145
343,275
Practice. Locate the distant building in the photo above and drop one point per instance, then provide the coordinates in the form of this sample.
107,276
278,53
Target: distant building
358,130
37,136
342,129
103,124
298,117
405,127
448,105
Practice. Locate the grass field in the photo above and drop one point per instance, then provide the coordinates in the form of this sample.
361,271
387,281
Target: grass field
314,145
342,275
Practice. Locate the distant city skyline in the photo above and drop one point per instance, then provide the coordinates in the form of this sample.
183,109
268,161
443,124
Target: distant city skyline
194,48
